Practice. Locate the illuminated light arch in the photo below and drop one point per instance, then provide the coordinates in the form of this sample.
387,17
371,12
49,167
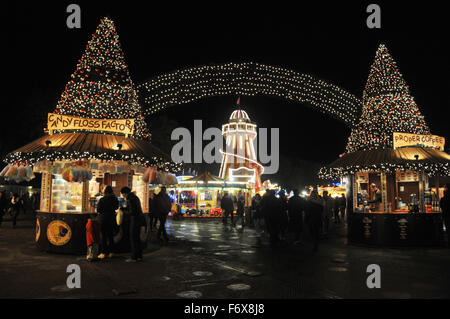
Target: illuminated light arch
248,79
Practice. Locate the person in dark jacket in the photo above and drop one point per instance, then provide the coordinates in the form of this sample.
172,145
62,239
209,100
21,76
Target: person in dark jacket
445,207
227,206
342,206
163,205
106,208
375,197
240,210
271,209
133,209
16,207
152,214
257,215
313,218
296,207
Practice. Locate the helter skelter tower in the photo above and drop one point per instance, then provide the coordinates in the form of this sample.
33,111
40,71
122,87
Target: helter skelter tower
239,163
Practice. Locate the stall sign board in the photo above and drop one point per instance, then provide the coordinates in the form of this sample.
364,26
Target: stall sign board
407,176
65,122
407,139
403,225
59,233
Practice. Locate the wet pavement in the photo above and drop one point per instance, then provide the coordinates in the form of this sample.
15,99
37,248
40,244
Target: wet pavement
204,259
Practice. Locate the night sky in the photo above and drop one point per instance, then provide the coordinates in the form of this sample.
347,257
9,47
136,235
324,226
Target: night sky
330,41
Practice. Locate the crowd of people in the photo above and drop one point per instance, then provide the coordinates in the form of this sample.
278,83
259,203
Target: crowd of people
101,227
15,204
278,216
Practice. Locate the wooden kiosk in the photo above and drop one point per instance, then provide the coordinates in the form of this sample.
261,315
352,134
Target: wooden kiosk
97,136
75,167
406,212
390,164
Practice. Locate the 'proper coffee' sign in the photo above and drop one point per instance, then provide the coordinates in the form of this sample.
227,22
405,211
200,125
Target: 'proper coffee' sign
65,122
407,139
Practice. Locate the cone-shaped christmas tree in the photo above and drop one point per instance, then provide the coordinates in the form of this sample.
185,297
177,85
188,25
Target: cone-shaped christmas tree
388,107
101,86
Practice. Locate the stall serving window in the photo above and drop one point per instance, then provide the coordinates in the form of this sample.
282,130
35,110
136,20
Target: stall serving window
66,196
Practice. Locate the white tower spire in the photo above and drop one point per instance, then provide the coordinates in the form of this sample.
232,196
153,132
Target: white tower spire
239,163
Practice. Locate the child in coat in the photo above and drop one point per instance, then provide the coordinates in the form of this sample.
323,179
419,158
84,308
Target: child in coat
92,238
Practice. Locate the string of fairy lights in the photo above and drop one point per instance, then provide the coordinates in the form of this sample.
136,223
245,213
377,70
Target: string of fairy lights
431,169
31,158
250,79
388,107
101,86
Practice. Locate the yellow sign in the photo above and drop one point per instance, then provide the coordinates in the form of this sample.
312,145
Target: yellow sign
65,122
407,139
58,233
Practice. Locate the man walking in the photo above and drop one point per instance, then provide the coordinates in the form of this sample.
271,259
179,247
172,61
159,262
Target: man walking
227,206
163,206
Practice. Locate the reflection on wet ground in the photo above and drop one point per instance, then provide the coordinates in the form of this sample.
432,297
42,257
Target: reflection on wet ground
205,259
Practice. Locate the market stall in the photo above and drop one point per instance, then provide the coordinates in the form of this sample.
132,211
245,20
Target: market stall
73,176
96,136
393,205
199,196
390,163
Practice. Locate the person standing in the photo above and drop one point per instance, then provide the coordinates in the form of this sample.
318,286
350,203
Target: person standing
227,206
16,206
271,209
152,214
92,238
445,207
342,206
375,196
134,210
240,210
106,208
313,218
163,206
257,215
296,206
328,204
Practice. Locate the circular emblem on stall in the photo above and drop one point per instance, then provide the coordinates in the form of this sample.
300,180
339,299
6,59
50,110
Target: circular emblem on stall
58,233
38,229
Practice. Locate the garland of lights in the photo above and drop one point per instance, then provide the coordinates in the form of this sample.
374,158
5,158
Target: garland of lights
101,86
187,85
431,169
388,107
33,158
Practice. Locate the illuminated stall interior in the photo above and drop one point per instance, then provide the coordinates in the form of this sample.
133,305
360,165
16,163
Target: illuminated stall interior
200,195
400,190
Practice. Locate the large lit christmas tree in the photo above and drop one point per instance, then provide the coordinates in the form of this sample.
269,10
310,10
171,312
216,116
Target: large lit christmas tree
388,107
101,86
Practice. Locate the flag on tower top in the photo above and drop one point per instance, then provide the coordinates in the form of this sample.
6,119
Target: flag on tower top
238,101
